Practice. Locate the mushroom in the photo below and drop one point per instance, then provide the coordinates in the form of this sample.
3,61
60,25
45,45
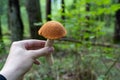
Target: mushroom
52,30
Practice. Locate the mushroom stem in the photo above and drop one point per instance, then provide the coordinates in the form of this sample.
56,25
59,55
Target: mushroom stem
49,57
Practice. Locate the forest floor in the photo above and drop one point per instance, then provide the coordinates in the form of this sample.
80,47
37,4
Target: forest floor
77,62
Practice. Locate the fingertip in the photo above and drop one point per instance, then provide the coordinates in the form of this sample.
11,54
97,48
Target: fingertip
41,52
37,62
50,49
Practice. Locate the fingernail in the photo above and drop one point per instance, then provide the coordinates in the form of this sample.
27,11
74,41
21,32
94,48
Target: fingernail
51,49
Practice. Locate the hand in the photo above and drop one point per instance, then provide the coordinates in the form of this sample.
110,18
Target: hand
21,57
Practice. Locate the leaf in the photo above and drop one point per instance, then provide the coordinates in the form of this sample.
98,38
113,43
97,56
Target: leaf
101,2
106,2
109,56
101,77
115,7
95,55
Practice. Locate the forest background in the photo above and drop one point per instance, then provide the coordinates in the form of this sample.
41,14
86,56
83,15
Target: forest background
90,51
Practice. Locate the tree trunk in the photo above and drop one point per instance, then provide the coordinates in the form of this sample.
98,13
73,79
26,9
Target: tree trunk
34,15
63,10
50,74
73,6
2,45
48,10
87,10
15,21
0,30
117,27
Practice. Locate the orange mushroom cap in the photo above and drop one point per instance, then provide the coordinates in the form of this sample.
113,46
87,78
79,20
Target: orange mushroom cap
52,30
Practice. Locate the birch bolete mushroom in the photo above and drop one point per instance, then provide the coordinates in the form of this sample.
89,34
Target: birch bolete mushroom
52,30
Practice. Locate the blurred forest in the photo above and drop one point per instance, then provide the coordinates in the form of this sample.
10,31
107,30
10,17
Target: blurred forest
90,51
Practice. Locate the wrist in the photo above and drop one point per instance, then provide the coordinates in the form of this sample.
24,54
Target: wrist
9,74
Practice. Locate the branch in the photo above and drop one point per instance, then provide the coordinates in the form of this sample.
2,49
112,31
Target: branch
91,43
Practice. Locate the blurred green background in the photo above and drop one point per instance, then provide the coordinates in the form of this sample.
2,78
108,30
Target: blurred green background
90,50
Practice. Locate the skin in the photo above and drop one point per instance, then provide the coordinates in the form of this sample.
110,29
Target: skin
22,55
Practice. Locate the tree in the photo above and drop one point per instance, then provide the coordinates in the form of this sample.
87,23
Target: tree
15,21
74,4
48,10
1,11
2,45
117,26
63,10
0,30
87,10
34,15
48,18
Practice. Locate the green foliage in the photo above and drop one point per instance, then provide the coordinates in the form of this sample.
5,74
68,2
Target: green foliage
93,29
86,26
1,7
77,23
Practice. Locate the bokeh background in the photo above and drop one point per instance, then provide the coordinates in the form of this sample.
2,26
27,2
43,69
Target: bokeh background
89,51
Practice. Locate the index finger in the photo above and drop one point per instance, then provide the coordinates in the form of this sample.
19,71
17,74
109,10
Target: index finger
33,44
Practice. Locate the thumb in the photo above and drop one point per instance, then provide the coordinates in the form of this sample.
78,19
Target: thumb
41,52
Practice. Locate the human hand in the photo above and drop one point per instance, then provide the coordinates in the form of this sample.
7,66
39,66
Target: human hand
21,57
